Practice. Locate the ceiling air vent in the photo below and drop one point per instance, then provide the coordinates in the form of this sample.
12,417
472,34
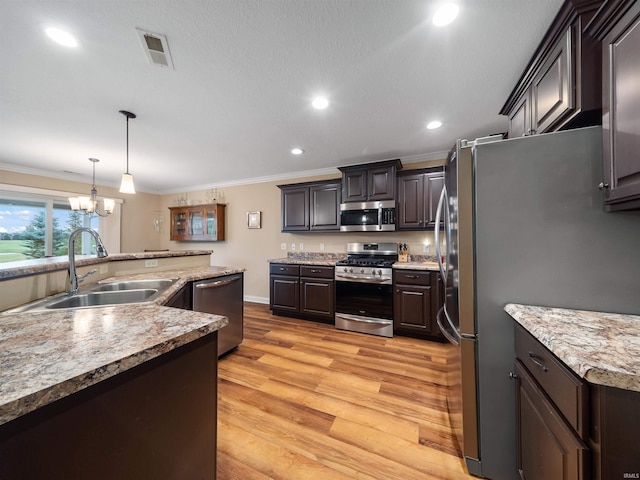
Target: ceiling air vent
156,48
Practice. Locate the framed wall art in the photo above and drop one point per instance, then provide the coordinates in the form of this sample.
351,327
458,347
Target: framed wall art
254,220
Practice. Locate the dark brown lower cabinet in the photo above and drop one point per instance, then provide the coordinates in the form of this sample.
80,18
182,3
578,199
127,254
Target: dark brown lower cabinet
416,300
547,446
615,432
568,428
156,420
304,291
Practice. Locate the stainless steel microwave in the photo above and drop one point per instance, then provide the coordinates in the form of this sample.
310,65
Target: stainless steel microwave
368,216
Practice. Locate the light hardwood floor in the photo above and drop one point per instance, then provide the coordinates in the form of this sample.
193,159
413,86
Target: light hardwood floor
302,400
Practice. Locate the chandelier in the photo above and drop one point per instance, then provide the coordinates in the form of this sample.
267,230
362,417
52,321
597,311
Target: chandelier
89,205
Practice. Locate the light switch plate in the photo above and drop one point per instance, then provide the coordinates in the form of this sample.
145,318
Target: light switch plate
425,247
301,246
322,247
283,246
151,263
293,247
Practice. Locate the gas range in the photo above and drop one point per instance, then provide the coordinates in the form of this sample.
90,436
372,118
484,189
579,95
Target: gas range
367,262
364,290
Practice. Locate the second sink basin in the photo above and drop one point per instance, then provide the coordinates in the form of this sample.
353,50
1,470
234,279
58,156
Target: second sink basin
158,283
95,299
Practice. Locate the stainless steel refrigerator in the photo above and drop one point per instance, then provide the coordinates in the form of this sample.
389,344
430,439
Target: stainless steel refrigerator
523,223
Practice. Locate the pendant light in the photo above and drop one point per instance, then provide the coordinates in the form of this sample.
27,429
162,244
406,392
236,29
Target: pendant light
126,185
89,204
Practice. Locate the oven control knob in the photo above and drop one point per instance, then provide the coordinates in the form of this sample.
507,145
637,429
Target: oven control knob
362,270
345,269
351,270
380,272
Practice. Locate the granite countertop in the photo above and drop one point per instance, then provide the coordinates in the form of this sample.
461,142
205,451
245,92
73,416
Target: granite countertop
310,258
51,264
417,265
48,355
602,348
418,262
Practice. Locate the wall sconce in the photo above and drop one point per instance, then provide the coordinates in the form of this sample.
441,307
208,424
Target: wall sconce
126,185
89,205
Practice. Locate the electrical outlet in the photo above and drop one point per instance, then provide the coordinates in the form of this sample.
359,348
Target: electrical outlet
322,247
104,268
283,246
301,246
293,247
151,263
425,248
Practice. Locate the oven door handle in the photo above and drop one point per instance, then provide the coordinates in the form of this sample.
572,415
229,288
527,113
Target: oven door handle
363,320
372,280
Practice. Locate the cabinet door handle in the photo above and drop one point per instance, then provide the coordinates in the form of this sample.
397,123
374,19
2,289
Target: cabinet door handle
282,269
602,186
538,361
513,376
411,276
315,271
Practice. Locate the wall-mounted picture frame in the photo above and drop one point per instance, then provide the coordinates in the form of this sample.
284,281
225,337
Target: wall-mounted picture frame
254,220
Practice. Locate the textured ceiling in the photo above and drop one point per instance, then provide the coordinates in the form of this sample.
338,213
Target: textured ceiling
245,72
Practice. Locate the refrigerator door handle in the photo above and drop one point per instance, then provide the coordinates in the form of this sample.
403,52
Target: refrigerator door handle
436,234
445,332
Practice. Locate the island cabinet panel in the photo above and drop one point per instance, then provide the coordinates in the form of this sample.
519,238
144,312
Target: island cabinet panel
418,295
560,88
156,420
617,25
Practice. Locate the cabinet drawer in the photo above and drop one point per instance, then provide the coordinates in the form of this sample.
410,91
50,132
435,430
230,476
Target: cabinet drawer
567,391
284,269
316,271
412,277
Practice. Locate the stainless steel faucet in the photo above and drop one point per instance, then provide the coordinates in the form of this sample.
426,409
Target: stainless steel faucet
100,251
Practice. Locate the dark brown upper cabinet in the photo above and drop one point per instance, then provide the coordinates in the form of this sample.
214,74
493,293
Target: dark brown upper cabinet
560,88
617,26
418,195
311,206
370,182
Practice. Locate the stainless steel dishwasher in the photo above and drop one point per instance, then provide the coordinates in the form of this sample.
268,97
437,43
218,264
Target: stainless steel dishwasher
222,296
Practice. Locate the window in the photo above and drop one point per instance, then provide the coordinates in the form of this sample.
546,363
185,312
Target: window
37,223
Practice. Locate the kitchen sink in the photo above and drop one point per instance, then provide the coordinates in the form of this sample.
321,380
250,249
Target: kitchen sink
103,294
159,283
97,299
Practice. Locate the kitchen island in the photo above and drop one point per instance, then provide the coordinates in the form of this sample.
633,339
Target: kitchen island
124,391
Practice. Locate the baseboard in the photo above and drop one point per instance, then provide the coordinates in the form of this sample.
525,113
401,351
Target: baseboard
251,298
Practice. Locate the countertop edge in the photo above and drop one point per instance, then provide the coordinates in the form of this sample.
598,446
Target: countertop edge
52,264
569,351
31,402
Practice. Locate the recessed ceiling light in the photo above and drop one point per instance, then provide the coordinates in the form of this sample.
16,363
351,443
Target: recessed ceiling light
320,103
297,151
433,125
61,37
445,14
